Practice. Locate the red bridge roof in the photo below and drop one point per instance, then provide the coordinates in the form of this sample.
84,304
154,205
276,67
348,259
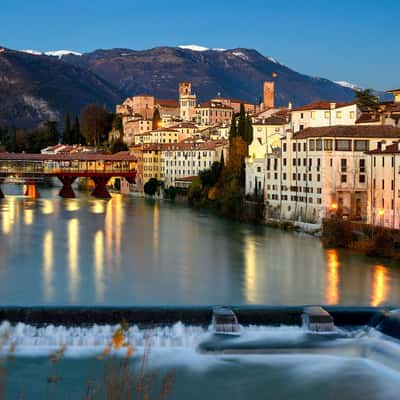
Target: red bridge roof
122,156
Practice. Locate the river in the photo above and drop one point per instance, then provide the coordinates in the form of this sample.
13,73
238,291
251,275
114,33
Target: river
134,251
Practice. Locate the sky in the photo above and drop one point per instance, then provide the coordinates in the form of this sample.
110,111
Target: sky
353,40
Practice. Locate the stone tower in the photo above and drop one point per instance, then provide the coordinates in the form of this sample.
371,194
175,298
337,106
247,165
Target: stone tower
187,101
269,94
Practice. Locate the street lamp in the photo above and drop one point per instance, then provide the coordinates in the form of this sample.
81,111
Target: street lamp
381,213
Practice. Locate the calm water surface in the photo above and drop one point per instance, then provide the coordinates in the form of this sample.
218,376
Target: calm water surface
131,251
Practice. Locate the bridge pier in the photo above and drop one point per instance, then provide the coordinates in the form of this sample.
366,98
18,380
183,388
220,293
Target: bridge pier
31,190
66,191
100,190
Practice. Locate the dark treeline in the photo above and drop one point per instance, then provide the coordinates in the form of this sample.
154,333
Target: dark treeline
92,127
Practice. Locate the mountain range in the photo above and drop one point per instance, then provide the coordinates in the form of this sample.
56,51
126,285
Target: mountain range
36,86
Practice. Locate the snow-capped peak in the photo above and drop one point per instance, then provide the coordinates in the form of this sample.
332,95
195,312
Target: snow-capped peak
347,85
34,52
195,47
55,53
272,59
240,55
60,53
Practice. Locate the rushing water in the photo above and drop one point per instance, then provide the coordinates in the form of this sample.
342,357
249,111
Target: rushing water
130,251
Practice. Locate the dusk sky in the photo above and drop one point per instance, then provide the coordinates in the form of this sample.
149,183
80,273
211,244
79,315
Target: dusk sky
357,41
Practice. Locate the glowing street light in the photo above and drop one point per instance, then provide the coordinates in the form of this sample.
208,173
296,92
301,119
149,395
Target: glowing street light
381,212
334,206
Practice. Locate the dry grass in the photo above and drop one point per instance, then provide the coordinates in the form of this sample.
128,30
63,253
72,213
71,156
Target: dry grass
120,380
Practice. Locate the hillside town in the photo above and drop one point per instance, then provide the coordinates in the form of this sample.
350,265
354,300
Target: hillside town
303,163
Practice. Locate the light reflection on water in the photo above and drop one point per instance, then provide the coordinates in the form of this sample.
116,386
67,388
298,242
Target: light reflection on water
138,252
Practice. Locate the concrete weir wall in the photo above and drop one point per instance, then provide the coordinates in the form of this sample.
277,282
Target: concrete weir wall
151,316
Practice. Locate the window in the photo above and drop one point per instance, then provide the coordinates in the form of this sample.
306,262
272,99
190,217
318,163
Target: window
338,114
318,178
383,161
328,144
362,178
351,114
343,145
383,184
258,169
362,165
361,145
326,114
318,144
294,147
343,178
284,176
343,165
301,115
305,146
313,115
312,145
284,147
284,162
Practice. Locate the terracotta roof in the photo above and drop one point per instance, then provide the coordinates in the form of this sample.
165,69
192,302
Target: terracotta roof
389,149
368,117
185,146
366,131
184,125
323,105
186,179
164,130
67,157
273,120
214,104
167,102
393,91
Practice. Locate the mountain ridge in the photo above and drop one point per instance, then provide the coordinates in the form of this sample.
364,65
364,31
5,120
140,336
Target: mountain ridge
34,87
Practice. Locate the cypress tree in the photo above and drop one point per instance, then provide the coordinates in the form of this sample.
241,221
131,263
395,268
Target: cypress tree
222,160
242,123
248,130
232,130
76,136
67,135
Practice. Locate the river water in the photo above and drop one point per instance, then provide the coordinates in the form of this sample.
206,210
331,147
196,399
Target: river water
131,251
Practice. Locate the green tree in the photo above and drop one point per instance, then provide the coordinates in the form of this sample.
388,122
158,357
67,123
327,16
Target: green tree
248,136
366,99
96,123
233,128
241,130
222,160
156,119
76,135
151,186
118,145
67,135
118,126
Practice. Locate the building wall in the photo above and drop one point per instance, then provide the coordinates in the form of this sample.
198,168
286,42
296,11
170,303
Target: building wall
384,198
308,184
303,119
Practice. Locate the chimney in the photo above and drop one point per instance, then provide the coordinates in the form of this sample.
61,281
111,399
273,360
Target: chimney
269,94
332,106
290,105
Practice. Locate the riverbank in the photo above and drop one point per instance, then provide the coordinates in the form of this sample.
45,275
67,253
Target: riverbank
369,240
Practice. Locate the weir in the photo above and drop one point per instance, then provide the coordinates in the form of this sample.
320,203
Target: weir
247,315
